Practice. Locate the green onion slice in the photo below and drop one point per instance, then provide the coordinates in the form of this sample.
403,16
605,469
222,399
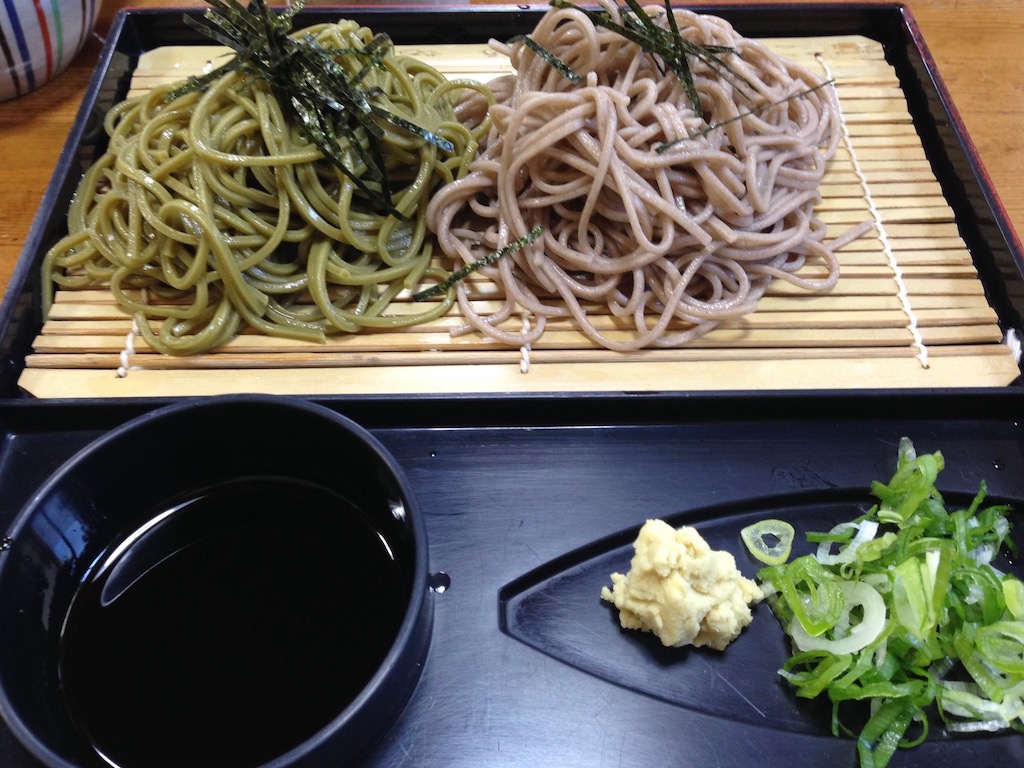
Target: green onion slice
854,636
770,541
1001,644
811,592
1013,596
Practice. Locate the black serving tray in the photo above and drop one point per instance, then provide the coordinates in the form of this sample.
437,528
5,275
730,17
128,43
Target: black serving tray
984,226
528,509
530,500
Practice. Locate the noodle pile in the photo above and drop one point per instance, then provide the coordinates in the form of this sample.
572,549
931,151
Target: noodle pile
211,211
657,224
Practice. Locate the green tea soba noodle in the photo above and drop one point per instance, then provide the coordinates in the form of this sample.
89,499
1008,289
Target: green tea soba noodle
212,211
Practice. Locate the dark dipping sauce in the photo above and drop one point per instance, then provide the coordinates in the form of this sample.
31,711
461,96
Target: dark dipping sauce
231,628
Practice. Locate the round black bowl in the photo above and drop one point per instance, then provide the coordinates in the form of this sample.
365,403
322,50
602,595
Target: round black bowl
235,581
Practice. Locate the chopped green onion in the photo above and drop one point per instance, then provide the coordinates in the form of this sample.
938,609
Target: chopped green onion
1013,596
862,533
919,590
1001,644
856,637
811,593
921,620
770,541
884,731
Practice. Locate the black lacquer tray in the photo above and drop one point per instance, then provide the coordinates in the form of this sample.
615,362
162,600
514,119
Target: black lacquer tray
529,507
531,499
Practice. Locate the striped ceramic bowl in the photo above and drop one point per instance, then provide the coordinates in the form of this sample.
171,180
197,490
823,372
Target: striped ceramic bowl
38,39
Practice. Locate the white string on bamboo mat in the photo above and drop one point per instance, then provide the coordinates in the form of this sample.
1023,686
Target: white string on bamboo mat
1012,341
524,351
129,349
876,216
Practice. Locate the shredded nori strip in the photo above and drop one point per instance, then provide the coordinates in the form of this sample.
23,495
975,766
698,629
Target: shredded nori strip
666,44
560,66
469,269
311,86
670,50
760,108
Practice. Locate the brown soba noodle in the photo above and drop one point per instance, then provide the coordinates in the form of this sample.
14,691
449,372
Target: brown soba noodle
643,245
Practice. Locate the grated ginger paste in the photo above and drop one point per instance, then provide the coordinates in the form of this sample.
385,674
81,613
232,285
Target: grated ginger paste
682,590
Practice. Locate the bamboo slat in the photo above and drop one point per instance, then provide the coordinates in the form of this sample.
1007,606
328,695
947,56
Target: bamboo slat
912,272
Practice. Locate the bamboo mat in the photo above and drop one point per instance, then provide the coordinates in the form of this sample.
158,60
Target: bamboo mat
857,336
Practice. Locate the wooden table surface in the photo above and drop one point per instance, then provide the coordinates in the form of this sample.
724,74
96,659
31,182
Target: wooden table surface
975,44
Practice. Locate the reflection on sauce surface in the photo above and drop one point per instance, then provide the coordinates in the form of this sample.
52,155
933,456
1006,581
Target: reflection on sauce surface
230,628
